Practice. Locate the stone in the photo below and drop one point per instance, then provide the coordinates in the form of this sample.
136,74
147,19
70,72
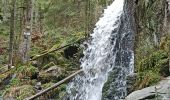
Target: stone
162,89
53,73
130,80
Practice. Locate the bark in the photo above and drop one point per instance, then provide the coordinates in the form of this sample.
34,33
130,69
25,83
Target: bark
27,32
12,32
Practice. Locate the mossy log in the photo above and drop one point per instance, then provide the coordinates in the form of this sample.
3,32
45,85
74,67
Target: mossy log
50,51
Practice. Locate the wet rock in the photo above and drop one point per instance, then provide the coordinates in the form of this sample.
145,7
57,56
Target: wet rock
115,87
131,79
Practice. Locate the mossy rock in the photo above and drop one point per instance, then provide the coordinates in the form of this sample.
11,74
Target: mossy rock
52,74
19,93
26,72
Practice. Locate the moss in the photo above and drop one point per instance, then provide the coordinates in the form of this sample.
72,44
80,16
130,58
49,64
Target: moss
19,93
152,68
15,82
25,71
147,78
48,65
57,93
151,61
44,86
155,61
61,92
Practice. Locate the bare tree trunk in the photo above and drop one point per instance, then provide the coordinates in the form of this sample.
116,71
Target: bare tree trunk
27,32
12,32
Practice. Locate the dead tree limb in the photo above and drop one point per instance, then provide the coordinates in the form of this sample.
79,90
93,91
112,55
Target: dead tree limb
54,86
41,55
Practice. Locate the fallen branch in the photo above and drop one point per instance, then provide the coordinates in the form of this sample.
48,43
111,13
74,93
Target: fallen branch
41,55
54,86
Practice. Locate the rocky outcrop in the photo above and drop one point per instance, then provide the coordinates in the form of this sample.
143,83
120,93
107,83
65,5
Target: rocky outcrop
161,91
151,19
143,22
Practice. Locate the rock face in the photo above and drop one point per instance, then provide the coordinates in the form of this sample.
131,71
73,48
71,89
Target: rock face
115,87
162,90
131,80
144,21
151,19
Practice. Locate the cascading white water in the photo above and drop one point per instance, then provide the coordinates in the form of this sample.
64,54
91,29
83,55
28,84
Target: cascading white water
99,56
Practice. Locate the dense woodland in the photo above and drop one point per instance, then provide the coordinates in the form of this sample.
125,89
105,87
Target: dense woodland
41,43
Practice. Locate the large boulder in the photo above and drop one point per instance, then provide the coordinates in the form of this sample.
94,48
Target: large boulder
161,91
52,74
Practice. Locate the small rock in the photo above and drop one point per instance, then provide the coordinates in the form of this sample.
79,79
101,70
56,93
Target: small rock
38,86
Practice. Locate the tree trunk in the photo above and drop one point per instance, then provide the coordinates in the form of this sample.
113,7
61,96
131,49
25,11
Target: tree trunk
12,32
27,32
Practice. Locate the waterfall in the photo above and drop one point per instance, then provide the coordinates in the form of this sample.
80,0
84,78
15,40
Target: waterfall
99,57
